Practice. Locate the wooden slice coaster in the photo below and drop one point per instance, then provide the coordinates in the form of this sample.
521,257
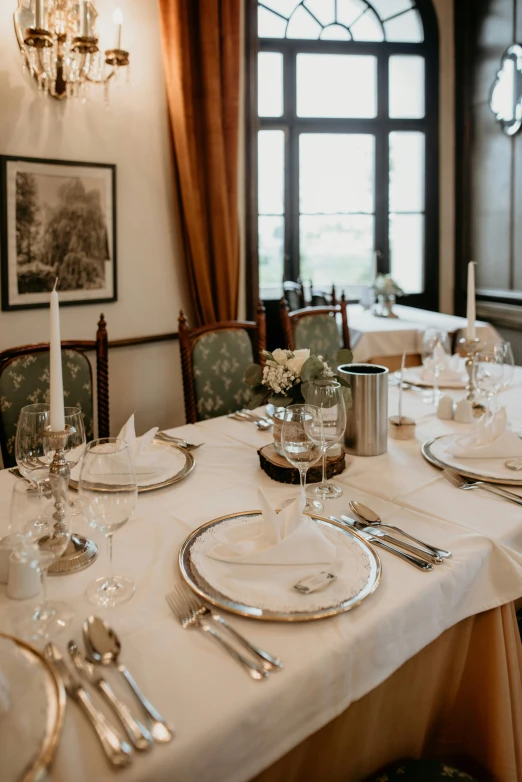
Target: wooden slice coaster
277,467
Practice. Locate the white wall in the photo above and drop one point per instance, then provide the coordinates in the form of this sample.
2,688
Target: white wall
134,134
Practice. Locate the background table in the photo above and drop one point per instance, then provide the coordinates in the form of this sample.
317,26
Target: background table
450,631
373,338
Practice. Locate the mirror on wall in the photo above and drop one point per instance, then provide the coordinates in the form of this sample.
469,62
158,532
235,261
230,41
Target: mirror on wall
506,93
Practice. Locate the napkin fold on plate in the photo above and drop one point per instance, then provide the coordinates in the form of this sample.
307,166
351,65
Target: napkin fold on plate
285,538
451,373
489,440
144,460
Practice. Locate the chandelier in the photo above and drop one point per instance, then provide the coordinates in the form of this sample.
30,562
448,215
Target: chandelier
59,45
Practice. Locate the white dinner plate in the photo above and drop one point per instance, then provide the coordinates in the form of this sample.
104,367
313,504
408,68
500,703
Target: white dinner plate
266,591
412,375
490,470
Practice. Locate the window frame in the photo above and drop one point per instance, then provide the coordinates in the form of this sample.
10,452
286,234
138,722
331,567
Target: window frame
380,127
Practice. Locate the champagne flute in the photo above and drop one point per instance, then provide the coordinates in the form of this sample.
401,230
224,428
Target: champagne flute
327,395
108,487
489,374
33,449
436,351
504,350
38,546
299,447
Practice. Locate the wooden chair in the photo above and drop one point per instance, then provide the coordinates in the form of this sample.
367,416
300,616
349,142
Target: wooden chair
24,380
294,294
316,328
214,359
323,298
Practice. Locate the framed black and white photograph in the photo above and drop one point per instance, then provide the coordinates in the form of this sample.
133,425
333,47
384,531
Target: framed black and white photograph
58,221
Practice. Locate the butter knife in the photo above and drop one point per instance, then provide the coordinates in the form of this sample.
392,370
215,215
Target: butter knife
140,737
402,544
421,564
118,752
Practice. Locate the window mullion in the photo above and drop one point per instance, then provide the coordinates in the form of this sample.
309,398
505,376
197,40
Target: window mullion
292,170
382,185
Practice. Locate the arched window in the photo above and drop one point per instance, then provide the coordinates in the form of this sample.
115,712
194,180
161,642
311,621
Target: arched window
343,164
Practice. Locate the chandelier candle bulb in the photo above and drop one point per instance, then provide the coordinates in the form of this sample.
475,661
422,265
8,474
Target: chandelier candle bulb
84,19
56,379
470,314
39,15
118,21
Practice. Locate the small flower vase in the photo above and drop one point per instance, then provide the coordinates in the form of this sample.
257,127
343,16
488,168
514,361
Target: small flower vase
277,414
386,304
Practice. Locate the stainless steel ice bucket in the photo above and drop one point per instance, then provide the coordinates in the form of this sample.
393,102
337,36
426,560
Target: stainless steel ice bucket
367,420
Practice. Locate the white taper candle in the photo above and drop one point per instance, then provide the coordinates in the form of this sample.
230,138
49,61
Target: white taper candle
56,379
471,332
117,18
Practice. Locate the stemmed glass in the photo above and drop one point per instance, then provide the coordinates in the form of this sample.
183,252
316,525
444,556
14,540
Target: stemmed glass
299,447
489,375
505,352
33,449
327,395
436,351
108,487
38,545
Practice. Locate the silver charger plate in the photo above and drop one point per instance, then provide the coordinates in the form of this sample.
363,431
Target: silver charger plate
177,476
427,452
201,587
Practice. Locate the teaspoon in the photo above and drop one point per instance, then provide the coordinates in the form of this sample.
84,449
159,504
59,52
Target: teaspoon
371,518
103,646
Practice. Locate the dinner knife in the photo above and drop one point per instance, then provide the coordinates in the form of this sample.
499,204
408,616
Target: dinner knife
421,564
118,752
402,544
140,737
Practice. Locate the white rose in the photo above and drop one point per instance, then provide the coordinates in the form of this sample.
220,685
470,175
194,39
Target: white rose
281,356
304,354
296,364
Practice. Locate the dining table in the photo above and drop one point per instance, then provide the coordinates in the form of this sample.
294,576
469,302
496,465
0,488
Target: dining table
429,665
373,337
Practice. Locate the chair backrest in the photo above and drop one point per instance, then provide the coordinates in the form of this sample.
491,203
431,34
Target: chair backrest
316,328
319,297
294,294
214,359
24,380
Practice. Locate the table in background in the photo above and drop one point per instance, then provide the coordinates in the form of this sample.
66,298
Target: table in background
429,663
373,338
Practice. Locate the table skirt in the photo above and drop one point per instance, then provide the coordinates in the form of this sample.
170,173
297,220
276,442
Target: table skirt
459,699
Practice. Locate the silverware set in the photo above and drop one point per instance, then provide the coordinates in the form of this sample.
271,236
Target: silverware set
103,649
466,484
192,613
262,422
367,523
179,441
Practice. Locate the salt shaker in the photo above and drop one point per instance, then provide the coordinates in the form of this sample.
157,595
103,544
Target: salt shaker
24,579
464,412
445,408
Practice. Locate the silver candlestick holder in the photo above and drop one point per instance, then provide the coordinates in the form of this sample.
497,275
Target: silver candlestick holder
80,552
470,347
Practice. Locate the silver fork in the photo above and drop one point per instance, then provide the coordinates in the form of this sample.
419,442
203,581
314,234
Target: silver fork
188,619
198,608
462,483
168,438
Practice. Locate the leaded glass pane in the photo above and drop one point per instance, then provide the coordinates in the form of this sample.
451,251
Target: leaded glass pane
271,171
349,10
407,172
336,173
270,84
335,32
387,8
407,86
406,27
303,25
367,28
271,239
270,25
336,85
407,251
337,249
323,10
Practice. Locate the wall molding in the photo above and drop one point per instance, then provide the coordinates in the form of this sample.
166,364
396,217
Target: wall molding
149,340
507,315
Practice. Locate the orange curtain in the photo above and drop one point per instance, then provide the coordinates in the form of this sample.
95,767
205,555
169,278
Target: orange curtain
201,54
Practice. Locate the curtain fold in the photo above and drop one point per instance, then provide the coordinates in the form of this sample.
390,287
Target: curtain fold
201,55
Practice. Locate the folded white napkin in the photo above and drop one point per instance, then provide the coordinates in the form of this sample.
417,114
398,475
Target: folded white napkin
489,440
144,460
451,371
285,538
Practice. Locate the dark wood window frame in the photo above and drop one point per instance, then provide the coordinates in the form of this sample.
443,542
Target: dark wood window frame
380,127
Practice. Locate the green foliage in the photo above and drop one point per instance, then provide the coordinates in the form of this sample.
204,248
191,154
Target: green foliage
27,218
312,369
253,375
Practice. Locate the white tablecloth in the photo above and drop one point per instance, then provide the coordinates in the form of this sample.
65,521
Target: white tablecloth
371,336
229,727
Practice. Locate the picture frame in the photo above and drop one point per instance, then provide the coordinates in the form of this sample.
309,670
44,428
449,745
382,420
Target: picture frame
57,220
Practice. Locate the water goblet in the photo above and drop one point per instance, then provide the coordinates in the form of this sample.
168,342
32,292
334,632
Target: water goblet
504,350
108,487
327,395
489,374
436,352
299,447
33,449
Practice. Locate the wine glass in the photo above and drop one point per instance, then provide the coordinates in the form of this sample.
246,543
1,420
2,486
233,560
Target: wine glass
327,395
436,351
74,451
108,487
33,449
38,546
489,374
504,350
299,447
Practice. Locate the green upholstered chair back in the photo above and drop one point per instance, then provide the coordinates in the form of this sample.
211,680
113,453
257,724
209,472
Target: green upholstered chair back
320,333
219,362
24,380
